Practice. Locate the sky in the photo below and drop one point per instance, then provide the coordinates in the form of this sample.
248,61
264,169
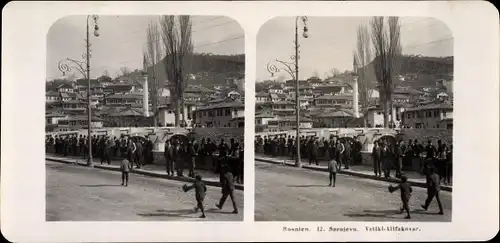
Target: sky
332,40
122,40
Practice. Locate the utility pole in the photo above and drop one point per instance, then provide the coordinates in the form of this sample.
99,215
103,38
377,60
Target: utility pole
297,107
90,163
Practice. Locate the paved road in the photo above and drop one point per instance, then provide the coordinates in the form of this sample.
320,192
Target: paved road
77,193
284,193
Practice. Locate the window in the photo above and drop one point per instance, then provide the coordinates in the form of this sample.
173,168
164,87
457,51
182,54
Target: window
227,112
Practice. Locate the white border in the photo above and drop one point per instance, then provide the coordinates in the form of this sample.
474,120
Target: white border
475,199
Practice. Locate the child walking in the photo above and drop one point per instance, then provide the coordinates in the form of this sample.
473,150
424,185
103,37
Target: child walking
332,169
125,170
406,191
200,190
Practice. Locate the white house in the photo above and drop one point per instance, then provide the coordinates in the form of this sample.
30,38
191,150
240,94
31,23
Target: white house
219,114
437,115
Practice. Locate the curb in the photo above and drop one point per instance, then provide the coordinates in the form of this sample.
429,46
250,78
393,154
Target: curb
141,172
352,173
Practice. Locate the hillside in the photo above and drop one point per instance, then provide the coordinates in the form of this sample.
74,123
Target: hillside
209,69
424,70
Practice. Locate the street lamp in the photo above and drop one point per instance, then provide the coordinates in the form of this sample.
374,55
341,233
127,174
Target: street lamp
83,67
292,68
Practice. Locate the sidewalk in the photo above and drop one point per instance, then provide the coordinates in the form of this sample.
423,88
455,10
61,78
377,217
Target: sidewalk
414,178
210,178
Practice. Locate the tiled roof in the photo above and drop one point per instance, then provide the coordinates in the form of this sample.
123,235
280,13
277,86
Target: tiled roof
338,113
265,114
262,94
432,107
334,97
293,118
198,89
285,102
73,102
234,104
52,93
125,96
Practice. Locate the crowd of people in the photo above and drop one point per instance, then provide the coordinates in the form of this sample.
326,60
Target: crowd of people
138,151
180,154
343,150
387,154
205,152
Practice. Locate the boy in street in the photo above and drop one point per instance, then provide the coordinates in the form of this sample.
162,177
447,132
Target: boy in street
200,190
125,168
406,191
332,169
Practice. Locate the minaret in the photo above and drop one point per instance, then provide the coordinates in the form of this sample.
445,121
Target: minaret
355,99
145,88
355,91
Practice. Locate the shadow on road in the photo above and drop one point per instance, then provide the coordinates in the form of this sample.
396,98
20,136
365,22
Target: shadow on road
308,186
170,213
387,213
216,210
187,213
103,185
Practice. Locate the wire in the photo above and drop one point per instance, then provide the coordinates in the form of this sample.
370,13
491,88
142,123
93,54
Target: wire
135,60
222,41
430,42
139,37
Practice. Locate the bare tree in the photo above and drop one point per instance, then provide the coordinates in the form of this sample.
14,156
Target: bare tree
362,58
315,74
124,71
387,48
178,50
105,73
152,56
334,72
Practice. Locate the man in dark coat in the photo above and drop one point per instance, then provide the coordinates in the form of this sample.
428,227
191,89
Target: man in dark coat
106,151
139,153
227,184
290,145
192,159
179,158
347,154
433,189
149,151
81,142
398,154
313,156
65,146
169,158
377,156
340,149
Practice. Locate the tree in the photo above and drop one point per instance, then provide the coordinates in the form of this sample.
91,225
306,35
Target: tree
362,57
151,57
334,72
105,73
315,74
125,71
387,48
178,51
